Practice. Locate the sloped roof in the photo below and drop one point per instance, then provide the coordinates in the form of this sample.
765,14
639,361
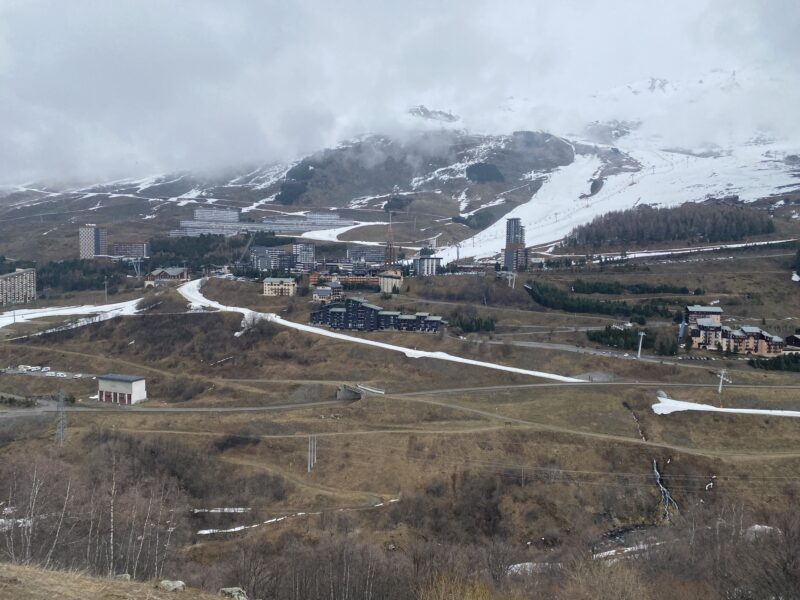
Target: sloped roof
704,309
708,323
118,377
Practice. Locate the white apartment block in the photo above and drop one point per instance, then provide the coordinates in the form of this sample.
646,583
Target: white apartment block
92,241
18,287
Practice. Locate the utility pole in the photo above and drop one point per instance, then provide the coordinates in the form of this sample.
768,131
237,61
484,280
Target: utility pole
721,379
312,452
61,420
641,339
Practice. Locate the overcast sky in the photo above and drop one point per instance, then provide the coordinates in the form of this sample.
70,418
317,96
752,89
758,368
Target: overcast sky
102,89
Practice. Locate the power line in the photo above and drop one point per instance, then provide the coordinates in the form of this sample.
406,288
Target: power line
61,420
312,452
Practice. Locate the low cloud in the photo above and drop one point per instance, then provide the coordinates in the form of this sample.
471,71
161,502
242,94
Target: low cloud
92,90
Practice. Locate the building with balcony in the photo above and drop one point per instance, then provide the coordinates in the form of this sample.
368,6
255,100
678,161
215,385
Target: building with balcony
18,287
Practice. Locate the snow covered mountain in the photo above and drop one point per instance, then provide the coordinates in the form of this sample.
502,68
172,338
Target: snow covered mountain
644,147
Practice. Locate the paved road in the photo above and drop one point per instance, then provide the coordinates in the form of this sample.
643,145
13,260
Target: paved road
57,374
47,407
617,354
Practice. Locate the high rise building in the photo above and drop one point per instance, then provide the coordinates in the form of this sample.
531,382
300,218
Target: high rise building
18,287
515,256
427,266
216,215
304,257
271,258
130,249
92,241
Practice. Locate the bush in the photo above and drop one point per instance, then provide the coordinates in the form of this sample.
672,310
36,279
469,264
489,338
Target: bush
484,173
234,441
182,389
615,287
478,220
706,221
398,203
78,275
552,297
469,321
784,362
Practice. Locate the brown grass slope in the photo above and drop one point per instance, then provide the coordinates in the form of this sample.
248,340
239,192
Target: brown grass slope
29,583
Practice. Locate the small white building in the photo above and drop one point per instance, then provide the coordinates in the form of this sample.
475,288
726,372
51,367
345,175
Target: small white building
390,281
121,389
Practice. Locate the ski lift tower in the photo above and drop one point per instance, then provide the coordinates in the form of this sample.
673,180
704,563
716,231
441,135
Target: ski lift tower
723,377
641,339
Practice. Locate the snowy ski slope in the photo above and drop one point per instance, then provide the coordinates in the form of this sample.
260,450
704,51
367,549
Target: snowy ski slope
666,179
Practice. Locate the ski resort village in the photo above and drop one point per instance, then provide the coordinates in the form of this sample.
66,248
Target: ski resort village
480,302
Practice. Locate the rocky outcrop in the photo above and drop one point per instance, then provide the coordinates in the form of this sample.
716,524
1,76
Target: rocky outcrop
169,585
233,593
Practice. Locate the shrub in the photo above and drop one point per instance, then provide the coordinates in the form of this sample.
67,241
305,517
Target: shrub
484,173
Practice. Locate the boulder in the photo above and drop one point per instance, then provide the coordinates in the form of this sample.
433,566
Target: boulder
171,586
123,577
234,593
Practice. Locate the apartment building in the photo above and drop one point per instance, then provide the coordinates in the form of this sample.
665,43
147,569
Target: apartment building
130,249
280,286
708,333
18,287
515,255
427,266
360,315
92,241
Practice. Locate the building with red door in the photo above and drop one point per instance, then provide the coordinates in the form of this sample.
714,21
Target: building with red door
121,389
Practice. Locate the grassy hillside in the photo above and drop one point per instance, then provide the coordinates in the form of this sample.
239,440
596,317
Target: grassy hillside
19,582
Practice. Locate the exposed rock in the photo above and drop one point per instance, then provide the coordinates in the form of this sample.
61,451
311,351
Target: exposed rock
123,577
234,593
171,586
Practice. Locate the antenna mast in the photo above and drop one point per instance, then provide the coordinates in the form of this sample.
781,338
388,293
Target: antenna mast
390,257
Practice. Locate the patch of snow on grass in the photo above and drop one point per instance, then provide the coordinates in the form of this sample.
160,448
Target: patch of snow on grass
667,406
191,291
108,311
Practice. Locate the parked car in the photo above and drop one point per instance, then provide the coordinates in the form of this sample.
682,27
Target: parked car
45,369
60,374
50,374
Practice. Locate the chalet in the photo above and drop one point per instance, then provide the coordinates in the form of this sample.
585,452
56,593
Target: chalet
794,339
330,292
166,275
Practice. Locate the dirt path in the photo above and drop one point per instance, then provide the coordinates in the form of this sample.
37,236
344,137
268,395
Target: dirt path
704,452
359,497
